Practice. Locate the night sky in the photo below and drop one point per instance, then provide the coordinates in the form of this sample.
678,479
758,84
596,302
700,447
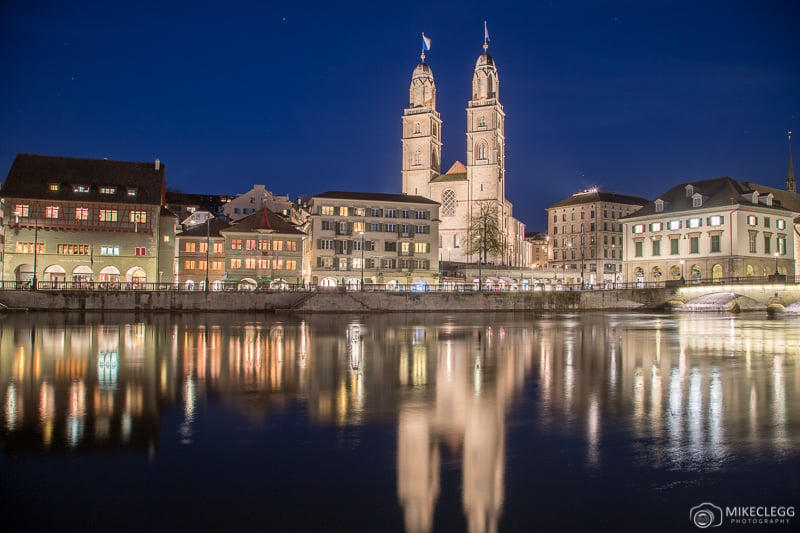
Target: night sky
632,97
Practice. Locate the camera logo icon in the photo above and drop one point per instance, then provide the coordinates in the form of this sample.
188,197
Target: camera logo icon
706,515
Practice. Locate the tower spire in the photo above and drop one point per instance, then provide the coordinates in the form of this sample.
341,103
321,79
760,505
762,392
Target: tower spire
791,185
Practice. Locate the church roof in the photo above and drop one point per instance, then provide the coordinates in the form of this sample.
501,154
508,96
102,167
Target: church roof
484,60
457,172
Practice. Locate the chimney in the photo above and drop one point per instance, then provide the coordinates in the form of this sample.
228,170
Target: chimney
158,163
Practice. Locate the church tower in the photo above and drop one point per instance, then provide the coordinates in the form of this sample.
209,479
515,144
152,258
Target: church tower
422,130
486,140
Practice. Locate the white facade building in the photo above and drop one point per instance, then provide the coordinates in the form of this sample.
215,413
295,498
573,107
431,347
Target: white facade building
713,230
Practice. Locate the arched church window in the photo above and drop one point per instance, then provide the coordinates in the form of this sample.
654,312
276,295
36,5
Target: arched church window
418,157
417,128
435,130
434,159
448,203
490,86
481,149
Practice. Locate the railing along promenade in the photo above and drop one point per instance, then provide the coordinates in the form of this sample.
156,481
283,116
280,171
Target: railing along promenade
460,287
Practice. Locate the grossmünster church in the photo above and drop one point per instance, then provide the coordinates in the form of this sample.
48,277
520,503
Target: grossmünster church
465,192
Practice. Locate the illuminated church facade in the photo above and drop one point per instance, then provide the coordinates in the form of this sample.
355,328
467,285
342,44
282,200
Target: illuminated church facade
468,190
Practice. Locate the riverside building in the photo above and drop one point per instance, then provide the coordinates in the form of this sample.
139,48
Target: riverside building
261,250
586,236
86,221
713,230
360,239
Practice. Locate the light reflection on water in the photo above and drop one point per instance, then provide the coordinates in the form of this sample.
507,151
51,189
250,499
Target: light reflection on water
686,392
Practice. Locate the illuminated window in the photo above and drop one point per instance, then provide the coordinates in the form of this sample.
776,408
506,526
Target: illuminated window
236,244
81,213
656,226
108,190
236,263
53,187
715,220
674,225
190,246
250,262
694,222
80,188
291,264
189,264
421,247
344,211
638,228
203,248
109,250
780,224
27,247
277,246
752,220
217,265
359,226
139,216
326,210
218,247
250,244
131,191
51,211
21,210
108,215
140,251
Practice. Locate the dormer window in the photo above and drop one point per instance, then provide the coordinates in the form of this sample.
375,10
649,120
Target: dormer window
767,200
53,187
108,190
755,197
659,206
80,188
689,191
131,191
697,200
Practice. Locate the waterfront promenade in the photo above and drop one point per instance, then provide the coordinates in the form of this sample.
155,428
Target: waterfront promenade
696,297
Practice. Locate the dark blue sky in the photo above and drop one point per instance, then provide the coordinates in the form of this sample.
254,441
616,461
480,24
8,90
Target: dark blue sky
632,97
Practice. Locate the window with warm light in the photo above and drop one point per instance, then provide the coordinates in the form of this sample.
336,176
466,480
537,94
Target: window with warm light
51,211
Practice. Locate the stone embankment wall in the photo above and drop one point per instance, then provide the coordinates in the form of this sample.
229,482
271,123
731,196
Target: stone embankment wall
333,302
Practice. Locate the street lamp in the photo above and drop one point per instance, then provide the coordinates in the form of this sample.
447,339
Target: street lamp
682,278
775,254
362,260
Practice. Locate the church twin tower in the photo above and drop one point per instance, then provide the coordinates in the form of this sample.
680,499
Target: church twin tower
463,190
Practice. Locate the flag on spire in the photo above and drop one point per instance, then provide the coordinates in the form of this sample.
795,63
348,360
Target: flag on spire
426,42
485,33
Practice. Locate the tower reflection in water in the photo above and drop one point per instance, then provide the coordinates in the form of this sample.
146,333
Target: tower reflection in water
684,390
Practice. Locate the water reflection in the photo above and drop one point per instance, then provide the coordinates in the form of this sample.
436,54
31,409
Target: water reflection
685,392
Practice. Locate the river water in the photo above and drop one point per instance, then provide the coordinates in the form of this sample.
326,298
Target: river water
407,423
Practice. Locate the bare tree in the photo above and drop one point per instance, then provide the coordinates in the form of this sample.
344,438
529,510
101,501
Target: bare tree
485,231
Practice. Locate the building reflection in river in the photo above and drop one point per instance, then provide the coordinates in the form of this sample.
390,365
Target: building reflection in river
679,390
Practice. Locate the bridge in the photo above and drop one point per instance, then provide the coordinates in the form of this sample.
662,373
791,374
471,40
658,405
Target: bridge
772,295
